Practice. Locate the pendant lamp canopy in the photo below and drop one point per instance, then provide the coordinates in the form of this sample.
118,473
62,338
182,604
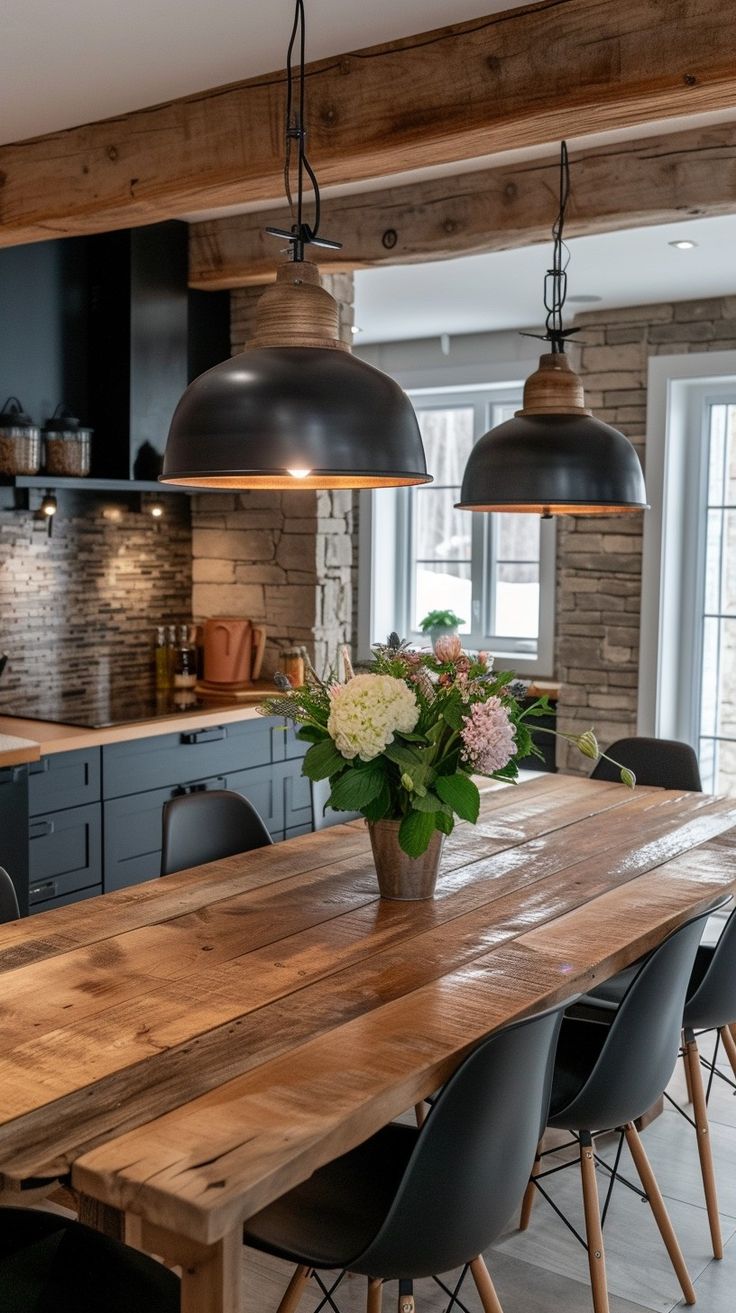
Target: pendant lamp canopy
554,457
296,409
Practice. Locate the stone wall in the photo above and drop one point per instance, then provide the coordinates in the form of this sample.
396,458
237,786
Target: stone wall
283,559
78,610
599,561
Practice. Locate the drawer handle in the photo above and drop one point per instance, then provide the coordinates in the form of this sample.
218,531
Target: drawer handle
39,767
199,786
205,735
45,890
40,829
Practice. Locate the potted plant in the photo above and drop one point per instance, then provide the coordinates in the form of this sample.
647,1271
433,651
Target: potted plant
439,623
401,741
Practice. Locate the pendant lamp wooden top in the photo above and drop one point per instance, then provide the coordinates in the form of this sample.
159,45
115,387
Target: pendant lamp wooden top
297,310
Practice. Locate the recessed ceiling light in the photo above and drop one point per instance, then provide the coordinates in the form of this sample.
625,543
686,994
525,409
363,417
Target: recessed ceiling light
683,244
585,298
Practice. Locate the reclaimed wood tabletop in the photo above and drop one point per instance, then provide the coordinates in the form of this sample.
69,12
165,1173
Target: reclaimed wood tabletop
188,1049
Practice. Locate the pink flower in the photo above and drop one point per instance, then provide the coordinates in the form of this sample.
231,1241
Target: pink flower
448,648
489,738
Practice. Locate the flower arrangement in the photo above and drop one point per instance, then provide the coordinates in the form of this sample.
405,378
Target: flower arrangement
401,740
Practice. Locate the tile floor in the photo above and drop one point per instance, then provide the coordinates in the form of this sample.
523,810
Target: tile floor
544,1269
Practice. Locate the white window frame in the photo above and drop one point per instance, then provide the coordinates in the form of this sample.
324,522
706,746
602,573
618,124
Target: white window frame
384,570
680,391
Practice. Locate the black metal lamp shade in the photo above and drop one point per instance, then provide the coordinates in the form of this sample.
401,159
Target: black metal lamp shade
554,465
294,416
554,457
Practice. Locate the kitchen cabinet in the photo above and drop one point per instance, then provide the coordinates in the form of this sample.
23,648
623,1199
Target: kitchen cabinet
95,814
14,829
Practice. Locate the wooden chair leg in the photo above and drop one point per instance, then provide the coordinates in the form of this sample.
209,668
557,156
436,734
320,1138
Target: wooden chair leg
729,1044
529,1193
661,1216
702,1130
593,1230
686,1067
420,1112
295,1289
375,1295
485,1287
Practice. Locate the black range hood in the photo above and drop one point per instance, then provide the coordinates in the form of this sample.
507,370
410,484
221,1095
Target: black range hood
107,325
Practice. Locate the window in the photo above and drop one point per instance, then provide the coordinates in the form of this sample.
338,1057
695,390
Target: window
494,571
688,688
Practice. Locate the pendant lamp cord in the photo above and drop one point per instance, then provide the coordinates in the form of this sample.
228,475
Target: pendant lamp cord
555,282
555,279
300,234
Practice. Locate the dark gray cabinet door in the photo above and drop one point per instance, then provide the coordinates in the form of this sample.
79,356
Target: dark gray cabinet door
133,834
64,779
263,787
177,759
65,852
14,830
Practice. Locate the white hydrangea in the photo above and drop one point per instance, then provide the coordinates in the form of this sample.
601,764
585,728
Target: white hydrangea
366,713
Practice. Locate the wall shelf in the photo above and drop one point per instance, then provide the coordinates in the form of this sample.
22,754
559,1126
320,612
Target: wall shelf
43,481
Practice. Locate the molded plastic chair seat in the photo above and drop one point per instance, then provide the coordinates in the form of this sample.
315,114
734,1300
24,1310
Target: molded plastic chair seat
9,910
414,1202
208,826
609,1070
49,1264
662,763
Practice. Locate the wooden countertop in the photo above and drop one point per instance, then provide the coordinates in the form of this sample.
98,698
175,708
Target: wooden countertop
39,738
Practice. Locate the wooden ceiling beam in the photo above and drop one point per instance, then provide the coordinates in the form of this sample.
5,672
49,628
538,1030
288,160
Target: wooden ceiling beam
631,184
515,79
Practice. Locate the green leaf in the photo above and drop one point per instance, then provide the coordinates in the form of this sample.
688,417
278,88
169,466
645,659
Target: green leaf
311,734
415,832
380,807
404,757
412,736
453,712
322,760
356,788
429,803
460,793
444,822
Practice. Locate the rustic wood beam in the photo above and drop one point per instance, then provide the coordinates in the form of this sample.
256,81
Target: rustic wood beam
627,185
515,79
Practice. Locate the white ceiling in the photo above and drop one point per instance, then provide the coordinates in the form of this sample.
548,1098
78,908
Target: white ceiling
481,293
80,60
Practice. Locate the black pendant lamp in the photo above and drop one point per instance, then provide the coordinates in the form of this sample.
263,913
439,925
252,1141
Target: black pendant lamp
295,409
554,457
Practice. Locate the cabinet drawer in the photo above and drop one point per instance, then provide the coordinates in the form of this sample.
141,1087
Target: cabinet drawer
46,904
296,830
172,759
64,779
264,788
65,849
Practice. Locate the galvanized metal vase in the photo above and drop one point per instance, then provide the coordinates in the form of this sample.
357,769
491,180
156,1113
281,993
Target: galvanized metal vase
399,876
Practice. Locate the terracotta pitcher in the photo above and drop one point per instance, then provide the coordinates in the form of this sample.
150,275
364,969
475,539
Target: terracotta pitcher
233,650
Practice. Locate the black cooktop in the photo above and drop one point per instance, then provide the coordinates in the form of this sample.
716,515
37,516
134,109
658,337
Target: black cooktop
117,710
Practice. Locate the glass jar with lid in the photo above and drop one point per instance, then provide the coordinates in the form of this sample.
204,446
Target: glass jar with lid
20,440
68,445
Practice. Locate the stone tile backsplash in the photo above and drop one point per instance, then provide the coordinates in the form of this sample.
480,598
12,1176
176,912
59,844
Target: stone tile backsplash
78,610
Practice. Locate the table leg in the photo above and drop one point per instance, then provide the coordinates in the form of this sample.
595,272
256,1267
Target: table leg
211,1275
101,1217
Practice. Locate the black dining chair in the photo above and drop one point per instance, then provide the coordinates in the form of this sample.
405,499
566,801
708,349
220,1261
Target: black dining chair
609,1070
417,1202
9,910
710,1006
49,1264
207,826
662,763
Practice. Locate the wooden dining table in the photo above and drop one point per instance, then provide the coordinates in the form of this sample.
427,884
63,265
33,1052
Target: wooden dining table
184,1051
